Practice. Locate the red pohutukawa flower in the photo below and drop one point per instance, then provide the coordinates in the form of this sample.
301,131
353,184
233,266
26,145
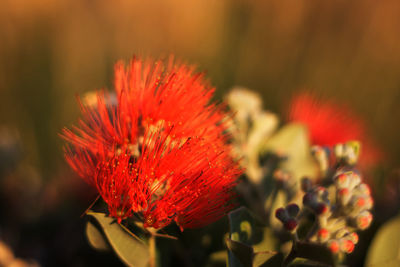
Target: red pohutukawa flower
331,123
156,147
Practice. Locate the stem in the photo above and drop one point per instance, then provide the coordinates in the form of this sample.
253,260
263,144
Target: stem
91,205
292,255
166,236
295,238
312,231
152,250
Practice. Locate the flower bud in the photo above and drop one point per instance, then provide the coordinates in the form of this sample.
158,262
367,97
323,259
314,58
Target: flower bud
353,237
290,224
352,152
321,209
321,192
347,153
342,180
343,196
370,202
310,199
363,220
355,180
338,150
333,245
364,189
346,245
321,155
364,202
292,209
323,235
282,215
360,203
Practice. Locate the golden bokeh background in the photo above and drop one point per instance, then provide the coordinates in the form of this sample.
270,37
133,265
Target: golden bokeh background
52,50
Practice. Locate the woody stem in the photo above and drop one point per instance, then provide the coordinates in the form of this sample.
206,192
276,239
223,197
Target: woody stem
152,250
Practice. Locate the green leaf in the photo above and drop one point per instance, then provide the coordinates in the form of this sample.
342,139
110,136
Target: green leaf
239,254
242,226
95,238
132,251
267,259
293,141
243,255
244,233
385,247
313,252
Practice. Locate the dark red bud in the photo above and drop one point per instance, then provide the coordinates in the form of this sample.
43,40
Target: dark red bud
290,225
321,208
281,214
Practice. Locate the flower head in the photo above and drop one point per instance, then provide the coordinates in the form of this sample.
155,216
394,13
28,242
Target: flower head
156,147
331,123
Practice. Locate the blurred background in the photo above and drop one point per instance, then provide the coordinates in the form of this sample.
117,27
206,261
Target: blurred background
50,51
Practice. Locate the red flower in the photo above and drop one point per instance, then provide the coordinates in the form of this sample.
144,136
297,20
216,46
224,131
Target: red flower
157,148
330,123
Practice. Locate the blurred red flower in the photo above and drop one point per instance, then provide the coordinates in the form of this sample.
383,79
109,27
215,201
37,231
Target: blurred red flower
330,123
156,147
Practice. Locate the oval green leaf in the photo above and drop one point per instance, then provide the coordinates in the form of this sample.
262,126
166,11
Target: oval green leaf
96,238
292,141
385,247
239,254
313,252
132,251
242,226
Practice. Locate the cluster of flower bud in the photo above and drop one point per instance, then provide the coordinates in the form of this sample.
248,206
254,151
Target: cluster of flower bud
316,199
341,212
344,244
353,199
340,207
288,216
346,154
